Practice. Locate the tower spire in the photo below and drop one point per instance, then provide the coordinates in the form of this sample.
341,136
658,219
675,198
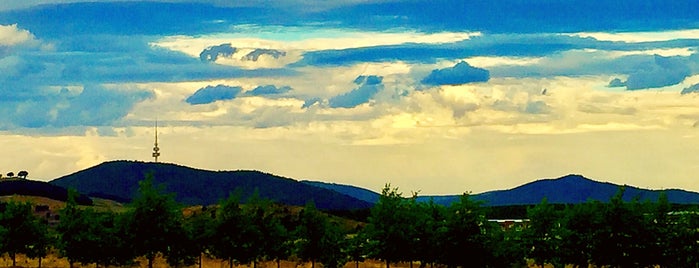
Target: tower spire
156,150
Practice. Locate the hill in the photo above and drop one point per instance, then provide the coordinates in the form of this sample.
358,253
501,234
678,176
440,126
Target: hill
38,189
353,191
574,189
570,189
119,180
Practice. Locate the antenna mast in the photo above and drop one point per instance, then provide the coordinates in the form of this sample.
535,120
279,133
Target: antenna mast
156,150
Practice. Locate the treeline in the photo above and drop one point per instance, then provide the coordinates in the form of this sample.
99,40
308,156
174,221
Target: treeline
398,229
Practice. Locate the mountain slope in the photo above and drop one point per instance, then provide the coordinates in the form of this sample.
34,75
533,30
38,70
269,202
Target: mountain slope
353,191
570,189
574,189
194,186
38,188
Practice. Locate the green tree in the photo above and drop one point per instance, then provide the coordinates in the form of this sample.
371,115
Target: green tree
318,239
387,229
200,230
581,235
621,240
544,234
467,235
23,233
156,223
356,248
74,240
430,229
229,226
269,238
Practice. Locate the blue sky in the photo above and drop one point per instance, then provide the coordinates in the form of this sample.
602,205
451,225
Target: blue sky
439,96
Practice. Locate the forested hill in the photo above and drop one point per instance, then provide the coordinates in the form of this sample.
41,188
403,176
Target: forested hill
119,179
39,188
570,189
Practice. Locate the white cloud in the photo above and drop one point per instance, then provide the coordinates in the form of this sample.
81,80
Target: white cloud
491,61
11,35
295,40
637,37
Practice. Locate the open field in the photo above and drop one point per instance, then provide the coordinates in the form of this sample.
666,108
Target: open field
53,261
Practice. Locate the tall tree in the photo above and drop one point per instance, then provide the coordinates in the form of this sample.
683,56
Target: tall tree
229,226
269,237
544,234
312,234
466,235
71,230
23,232
156,222
387,228
200,229
619,237
581,233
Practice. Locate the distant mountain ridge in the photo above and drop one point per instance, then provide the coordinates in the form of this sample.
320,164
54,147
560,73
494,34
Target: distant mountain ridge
569,189
118,180
194,186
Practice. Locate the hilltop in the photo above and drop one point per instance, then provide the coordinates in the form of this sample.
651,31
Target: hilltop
119,180
569,189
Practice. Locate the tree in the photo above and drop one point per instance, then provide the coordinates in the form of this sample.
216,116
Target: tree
387,228
430,229
11,174
581,224
356,248
229,226
200,229
544,234
155,223
621,239
269,236
466,236
23,174
71,230
23,233
318,239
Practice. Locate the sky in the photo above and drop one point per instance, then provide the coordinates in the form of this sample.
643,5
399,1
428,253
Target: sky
436,97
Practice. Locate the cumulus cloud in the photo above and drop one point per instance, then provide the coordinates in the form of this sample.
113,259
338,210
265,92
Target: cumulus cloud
11,35
269,90
665,71
211,94
461,73
368,87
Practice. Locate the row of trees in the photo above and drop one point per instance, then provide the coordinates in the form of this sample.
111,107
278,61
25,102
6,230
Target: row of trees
22,174
399,229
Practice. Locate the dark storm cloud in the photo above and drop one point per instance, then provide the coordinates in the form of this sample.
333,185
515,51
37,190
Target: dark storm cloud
211,94
368,86
461,73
